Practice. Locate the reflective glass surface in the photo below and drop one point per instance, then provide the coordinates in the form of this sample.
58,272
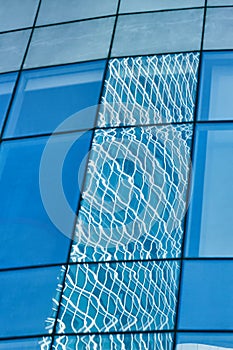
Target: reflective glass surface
119,297
219,28
60,93
30,230
16,14
219,2
26,300
53,11
134,200
7,83
152,5
210,217
215,102
149,89
26,344
204,341
12,49
69,43
206,295
161,32
140,341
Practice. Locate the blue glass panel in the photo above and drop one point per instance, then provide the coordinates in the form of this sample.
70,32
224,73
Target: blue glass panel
13,46
16,14
151,5
7,83
134,199
219,2
140,341
159,32
30,234
213,340
149,90
210,215
206,295
53,11
218,29
215,97
59,93
26,300
119,297
69,43
26,344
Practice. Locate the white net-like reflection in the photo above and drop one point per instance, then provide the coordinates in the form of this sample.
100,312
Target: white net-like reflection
134,200
119,297
149,90
141,341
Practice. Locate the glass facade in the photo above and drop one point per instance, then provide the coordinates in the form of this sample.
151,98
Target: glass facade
116,139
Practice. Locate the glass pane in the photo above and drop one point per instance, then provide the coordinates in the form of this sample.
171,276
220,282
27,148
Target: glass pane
215,102
206,295
205,341
161,32
119,297
69,43
149,89
26,300
218,28
16,14
140,341
152,5
210,217
53,11
13,46
26,344
60,92
220,2
30,229
134,199
7,83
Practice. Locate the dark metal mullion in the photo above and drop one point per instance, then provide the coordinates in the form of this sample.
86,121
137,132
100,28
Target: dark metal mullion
189,182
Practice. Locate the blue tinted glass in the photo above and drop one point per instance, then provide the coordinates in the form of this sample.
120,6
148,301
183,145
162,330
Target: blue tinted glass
134,199
149,90
210,215
16,14
119,297
71,42
214,340
141,341
151,5
26,300
26,344
46,97
30,234
206,295
215,98
7,83
140,34
218,29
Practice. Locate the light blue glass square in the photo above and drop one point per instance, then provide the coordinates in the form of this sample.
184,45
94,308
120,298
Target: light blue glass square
135,296
26,344
47,97
149,90
134,198
215,95
26,300
210,214
206,295
35,222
